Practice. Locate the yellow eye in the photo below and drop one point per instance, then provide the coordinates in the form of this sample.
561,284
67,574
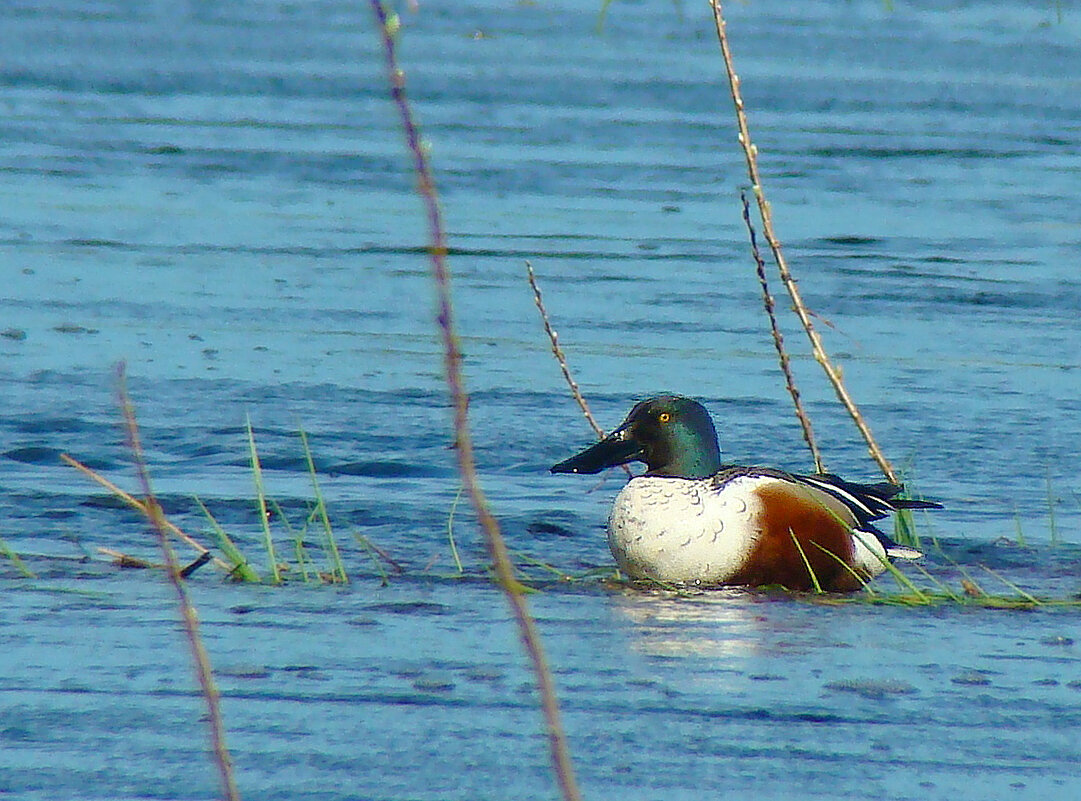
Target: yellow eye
664,417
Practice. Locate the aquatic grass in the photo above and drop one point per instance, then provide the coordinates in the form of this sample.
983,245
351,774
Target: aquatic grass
904,529
296,535
902,580
366,544
806,562
972,593
261,504
188,615
388,27
1017,523
865,583
1017,589
450,529
945,588
330,544
1051,522
562,576
11,556
137,505
241,569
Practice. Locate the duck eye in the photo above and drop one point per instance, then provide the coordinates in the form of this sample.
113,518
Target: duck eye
664,417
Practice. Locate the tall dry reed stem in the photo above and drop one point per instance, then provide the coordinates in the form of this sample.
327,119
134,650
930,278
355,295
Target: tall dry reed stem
138,506
817,348
504,569
187,609
778,339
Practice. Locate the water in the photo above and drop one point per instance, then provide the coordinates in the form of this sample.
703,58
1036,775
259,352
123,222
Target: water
220,196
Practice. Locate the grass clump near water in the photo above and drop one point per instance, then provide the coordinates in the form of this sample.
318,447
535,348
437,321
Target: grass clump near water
13,557
230,557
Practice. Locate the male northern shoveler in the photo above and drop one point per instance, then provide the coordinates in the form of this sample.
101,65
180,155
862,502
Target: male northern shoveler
692,519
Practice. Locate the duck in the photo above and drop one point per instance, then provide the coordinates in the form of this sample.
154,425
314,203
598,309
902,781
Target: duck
691,519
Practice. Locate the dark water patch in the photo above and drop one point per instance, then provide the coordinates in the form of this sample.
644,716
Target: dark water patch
34,455
972,678
872,689
410,608
44,423
548,529
386,469
852,241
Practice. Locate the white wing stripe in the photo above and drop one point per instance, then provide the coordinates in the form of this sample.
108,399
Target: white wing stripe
846,497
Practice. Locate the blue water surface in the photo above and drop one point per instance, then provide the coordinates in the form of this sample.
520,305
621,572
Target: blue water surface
219,195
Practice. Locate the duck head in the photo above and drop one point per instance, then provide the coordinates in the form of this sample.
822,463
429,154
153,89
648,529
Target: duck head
672,434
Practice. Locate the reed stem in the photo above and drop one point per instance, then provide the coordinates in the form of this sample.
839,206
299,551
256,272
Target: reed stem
261,504
190,620
778,340
557,351
750,152
437,251
137,505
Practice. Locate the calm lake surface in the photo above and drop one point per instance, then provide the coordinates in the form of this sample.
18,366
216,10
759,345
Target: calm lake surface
219,194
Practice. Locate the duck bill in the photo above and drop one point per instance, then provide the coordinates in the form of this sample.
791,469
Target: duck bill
615,449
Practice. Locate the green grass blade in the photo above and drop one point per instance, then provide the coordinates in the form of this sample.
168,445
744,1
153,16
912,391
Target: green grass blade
337,567
806,562
241,569
1032,599
947,591
15,560
367,546
297,536
904,529
901,579
260,493
1051,512
864,582
450,530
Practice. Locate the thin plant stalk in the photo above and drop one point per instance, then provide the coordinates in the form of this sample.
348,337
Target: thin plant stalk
203,671
300,553
366,544
1051,512
241,568
450,531
337,567
1016,588
778,340
261,503
437,251
135,504
13,557
901,579
865,583
806,562
557,351
750,152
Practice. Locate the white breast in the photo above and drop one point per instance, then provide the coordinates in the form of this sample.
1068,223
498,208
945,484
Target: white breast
683,530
